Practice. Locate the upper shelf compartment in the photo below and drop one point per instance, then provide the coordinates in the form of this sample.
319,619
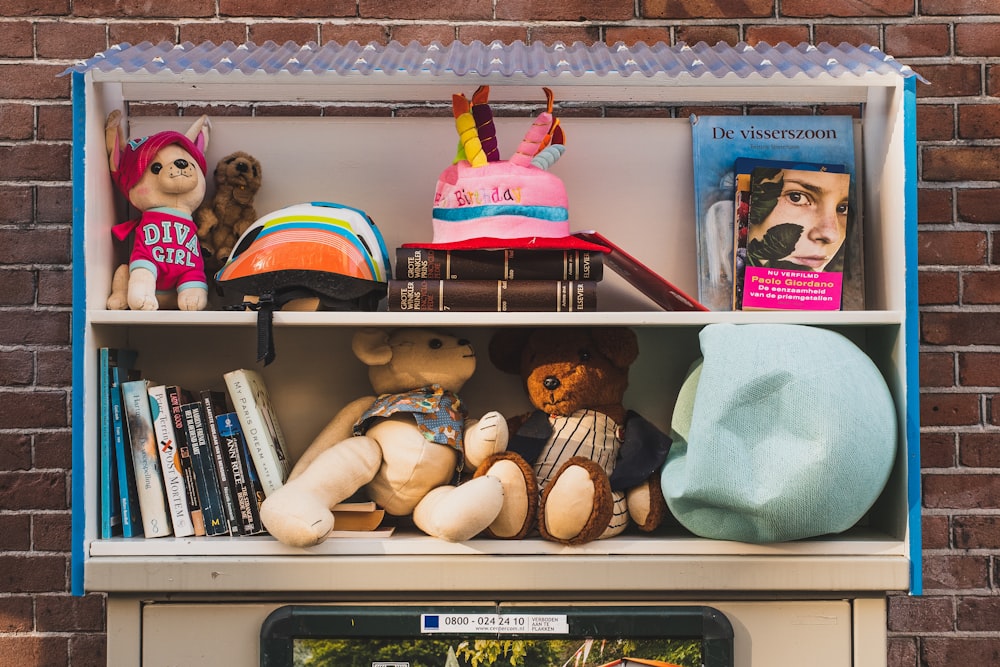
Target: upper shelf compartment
415,72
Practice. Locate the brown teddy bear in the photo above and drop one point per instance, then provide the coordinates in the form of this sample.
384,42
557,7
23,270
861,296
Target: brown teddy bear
230,212
403,446
581,465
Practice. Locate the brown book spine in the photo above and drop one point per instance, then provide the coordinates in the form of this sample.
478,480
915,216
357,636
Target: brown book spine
414,263
492,295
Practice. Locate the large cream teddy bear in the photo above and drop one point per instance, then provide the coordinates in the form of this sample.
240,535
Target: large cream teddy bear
403,446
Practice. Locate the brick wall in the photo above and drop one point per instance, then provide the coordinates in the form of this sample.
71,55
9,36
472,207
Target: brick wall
954,43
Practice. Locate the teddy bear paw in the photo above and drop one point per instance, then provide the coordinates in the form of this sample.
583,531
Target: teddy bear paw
194,298
577,505
520,495
459,513
485,437
296,524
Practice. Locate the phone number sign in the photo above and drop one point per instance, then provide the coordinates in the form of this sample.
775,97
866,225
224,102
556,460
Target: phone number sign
542,624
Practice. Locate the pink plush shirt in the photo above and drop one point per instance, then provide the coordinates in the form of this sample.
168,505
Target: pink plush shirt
166,243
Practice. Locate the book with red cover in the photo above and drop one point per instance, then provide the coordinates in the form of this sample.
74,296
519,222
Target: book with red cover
660,290
492,295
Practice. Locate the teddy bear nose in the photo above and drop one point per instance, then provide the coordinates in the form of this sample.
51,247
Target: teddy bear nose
551,382
242,167
181,163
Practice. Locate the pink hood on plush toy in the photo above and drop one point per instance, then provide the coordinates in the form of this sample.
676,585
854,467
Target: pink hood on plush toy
138,153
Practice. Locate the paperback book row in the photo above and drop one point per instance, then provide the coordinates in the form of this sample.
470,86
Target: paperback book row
182,463
778,220
521,280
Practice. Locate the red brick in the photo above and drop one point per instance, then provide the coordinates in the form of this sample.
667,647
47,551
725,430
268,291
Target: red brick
54,367
993,80
55,123
16,614
937,450
937,369
978,205
34,246
934,532
31,574
978,368
55,288
550,34
16,39
705,9
15,448
977,39
16,203
149,31
89,650
952,248
53,449
27,81
950,80
69,40
902,652
935,122
961,163
34,161
17,121
50,531
43,328
934,205
64,613
921,614
961,491
950,409
852,33
981,287
962,328
300,9
565,10
17,287
979,450
363,34
33,490
952,651
957,7
423,32
845,8
977,532
216,32
36,8
977,613
950,573
32,409
144,9
465,10
15,535
647,34
979,121
32,649
710,34
917,39
775,34
504,33
279,33
937,287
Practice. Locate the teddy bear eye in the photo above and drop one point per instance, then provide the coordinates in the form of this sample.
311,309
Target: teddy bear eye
434,343
156,168
584,355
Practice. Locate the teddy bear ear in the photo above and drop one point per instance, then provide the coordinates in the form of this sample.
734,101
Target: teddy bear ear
618,344
506,347
371,346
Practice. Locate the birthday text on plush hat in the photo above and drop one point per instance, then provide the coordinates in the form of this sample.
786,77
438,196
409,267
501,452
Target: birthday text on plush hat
484,196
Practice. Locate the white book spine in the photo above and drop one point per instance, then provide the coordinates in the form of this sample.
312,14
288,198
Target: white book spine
173,478
149,481
260,427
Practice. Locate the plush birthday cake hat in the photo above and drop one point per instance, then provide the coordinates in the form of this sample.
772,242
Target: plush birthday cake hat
482,201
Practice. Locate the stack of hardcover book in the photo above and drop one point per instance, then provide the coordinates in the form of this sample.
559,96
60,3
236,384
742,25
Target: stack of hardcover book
179,463
496,280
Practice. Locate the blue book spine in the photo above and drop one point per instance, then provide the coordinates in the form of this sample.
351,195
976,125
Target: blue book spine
127,494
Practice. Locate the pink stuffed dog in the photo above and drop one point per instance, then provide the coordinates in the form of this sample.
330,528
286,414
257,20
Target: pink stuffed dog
163,176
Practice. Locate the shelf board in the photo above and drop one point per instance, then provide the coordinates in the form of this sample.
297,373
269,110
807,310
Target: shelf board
600,318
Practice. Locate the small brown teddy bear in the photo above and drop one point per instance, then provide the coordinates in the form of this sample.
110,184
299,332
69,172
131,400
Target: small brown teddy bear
227,215
581,465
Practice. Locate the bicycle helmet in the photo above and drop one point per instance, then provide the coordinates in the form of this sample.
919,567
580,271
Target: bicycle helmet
321,249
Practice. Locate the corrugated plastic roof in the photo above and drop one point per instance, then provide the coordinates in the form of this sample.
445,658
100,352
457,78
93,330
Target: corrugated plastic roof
531,60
